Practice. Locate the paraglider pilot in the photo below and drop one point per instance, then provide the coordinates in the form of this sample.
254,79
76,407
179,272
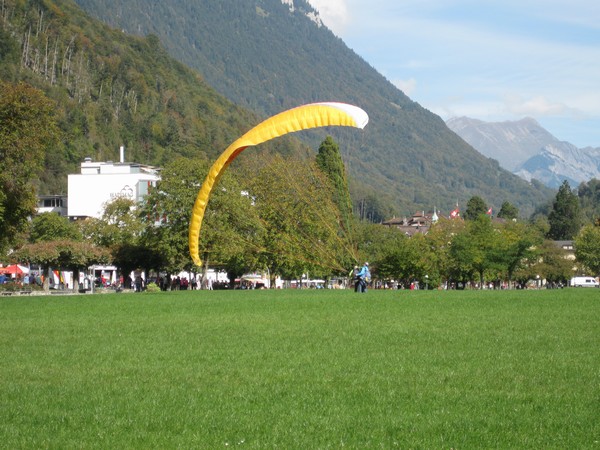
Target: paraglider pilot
362,278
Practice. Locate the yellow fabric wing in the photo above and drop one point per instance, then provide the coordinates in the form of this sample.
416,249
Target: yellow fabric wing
303,117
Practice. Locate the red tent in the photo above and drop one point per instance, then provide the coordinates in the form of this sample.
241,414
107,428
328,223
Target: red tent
14,269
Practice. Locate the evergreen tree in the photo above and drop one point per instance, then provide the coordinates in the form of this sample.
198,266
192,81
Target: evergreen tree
508,211
565,217
329,160
475,207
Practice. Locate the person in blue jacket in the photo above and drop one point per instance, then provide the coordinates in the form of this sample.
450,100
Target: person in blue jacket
363,277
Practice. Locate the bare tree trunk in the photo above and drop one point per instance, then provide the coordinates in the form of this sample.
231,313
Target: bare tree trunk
46,59
76,280
39,27
204,282
66,64
118,101
46,284
54,59
25,54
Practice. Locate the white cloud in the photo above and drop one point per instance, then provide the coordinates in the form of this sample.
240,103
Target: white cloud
492,60
407,86
334,13
535,106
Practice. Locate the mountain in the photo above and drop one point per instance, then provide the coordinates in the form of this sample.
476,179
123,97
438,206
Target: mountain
270,55
510,143
530,151
110,89
556,163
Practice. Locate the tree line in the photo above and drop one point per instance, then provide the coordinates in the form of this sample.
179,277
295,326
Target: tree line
288,219
287,215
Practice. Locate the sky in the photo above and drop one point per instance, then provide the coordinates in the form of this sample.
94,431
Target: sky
485,59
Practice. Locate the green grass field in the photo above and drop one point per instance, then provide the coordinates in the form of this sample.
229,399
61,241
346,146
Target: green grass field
302,370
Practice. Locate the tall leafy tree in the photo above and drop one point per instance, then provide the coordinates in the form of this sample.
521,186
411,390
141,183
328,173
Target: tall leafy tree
374,242
553,264
587,248
565,217
301,221
28,130
406,260
516,247
549,262
462,254
440,238
120,223
475,249
119,230
589,199
50,227
62,254
485,239
230,227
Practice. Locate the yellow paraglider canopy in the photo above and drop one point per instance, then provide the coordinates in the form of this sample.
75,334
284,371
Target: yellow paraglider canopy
301,118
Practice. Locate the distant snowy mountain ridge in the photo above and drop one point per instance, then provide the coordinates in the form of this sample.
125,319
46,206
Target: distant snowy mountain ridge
556,163
528,150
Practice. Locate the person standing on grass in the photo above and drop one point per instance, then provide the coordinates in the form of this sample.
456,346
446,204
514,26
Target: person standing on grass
363,276
354,275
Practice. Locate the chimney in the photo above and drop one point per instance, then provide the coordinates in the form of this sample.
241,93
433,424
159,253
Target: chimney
122,154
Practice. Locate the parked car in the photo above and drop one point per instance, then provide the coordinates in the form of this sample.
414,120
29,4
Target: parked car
584,282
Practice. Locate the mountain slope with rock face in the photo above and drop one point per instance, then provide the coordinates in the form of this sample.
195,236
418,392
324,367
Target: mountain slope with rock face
271,55
530,151
511,143
564,161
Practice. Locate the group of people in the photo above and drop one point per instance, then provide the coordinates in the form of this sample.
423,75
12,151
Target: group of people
361,277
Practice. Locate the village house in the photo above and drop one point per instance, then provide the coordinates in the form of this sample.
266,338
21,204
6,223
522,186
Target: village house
419,222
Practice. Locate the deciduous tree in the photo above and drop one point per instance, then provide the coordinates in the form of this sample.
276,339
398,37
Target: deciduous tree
50,227
475,249
587,248
62,254
27,131
230,228
517,246
301,222
120,224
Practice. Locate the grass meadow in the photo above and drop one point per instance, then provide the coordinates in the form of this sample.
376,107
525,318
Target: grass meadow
302,369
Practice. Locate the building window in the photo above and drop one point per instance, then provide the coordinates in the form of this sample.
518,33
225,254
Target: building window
53,203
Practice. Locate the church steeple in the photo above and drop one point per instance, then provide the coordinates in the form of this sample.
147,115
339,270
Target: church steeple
434,218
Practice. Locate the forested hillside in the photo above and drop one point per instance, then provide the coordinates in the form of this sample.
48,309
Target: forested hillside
110,89
266,56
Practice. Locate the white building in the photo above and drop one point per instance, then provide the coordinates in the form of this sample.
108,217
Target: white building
101,182
52,204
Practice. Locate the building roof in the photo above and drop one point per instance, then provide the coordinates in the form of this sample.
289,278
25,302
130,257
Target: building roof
419,222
